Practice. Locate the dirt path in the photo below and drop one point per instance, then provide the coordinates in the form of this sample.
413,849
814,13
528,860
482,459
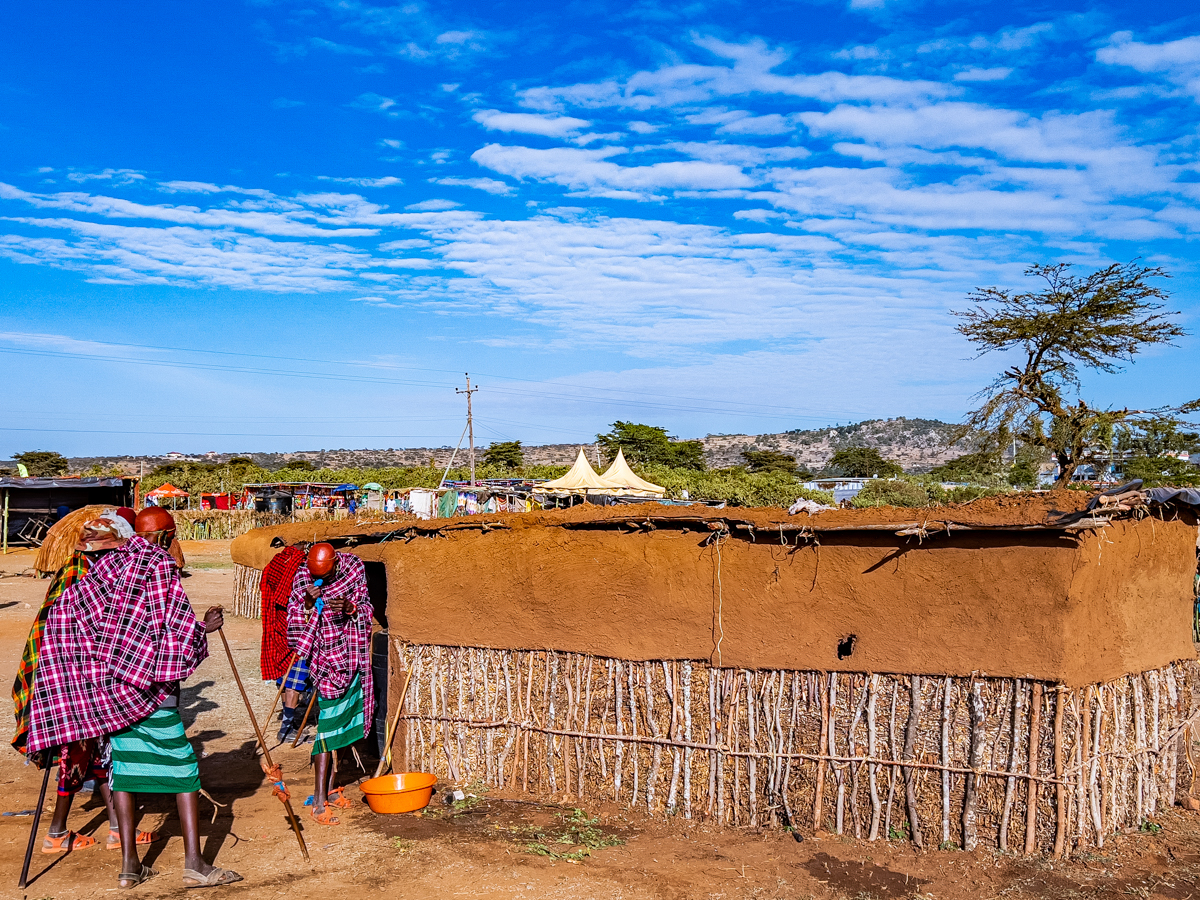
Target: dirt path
494,845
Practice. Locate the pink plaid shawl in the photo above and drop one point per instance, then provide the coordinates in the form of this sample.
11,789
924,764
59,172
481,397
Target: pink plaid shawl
336,647
115,645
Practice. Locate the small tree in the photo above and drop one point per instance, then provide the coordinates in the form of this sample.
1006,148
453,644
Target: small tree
863,462
1094,322
504,454
651,445
42,463
773,461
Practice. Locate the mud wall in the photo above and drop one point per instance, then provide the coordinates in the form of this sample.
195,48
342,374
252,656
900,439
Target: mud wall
1055,606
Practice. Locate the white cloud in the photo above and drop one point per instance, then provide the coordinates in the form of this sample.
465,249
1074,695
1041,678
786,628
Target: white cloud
529,123
117,176
642,127
491,185
385,181
751,72
1178,61
996,73
590,172
432,205
376,103
460,37
739,121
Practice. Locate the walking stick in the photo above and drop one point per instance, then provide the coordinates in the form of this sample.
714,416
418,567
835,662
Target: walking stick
304,721
389,733
287,803
33,832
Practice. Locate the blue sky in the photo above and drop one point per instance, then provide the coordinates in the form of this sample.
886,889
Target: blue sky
290,225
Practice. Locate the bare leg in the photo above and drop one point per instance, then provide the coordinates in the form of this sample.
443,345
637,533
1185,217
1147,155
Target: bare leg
322,763
188,806
107,796
62,808
127,828
291,698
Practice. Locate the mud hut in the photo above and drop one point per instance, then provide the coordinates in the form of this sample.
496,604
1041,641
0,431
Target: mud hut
1012,673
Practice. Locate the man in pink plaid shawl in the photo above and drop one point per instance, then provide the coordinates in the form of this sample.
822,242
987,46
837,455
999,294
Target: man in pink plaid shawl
116,646
329,624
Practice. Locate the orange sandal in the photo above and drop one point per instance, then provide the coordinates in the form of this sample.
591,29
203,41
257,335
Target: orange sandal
339,799
65,843
326,818
143,837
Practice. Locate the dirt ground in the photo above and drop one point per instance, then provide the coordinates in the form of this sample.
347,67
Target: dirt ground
497,845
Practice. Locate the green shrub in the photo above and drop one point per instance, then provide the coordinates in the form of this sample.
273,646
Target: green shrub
891,492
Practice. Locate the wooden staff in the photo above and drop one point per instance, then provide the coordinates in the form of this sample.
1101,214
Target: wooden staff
389,733
287,803
33,832
304,721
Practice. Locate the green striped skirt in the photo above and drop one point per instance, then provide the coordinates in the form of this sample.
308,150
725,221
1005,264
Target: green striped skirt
154,757
340,722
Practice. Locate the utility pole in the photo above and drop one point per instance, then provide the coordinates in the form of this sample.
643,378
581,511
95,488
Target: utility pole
470,422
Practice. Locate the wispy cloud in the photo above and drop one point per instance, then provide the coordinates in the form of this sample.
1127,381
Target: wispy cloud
490,185
1177,61
529,123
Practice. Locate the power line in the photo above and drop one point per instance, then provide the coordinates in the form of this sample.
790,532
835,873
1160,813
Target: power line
796,412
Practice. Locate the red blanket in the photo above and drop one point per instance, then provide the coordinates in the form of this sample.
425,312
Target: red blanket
276,585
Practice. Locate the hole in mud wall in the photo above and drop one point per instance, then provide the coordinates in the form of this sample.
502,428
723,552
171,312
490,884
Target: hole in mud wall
845,646
377,590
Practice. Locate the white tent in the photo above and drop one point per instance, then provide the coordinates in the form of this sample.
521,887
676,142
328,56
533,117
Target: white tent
623,477
581,479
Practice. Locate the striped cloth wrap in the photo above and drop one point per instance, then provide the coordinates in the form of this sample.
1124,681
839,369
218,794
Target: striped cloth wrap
340,721
153,756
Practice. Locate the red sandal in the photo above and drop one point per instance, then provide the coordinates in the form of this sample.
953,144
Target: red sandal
143,837
339,799
325,818
65,843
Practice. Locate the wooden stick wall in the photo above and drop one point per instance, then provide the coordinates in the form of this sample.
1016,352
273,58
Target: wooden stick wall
967,762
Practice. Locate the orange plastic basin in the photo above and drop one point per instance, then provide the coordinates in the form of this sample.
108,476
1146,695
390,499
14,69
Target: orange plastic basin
406,792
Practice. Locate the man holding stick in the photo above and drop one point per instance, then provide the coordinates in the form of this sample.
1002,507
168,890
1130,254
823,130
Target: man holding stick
116,646
79,761
329,625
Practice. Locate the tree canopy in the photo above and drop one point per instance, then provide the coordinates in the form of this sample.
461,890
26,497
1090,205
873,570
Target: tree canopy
773,461
863,462
651,445
1095,322
505,454
42,463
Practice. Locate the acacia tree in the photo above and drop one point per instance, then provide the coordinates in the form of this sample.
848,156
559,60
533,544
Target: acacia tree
1098,322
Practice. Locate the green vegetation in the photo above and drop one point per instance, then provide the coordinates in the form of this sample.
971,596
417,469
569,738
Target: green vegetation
651,445
891,492
573,829
1156,471
197,477
1094,322
862,462
504,455
736,486
773,461
42,463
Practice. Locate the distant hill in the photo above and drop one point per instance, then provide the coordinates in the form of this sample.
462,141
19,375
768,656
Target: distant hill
917,444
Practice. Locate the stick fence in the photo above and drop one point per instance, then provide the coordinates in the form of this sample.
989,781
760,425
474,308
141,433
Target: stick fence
940,761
